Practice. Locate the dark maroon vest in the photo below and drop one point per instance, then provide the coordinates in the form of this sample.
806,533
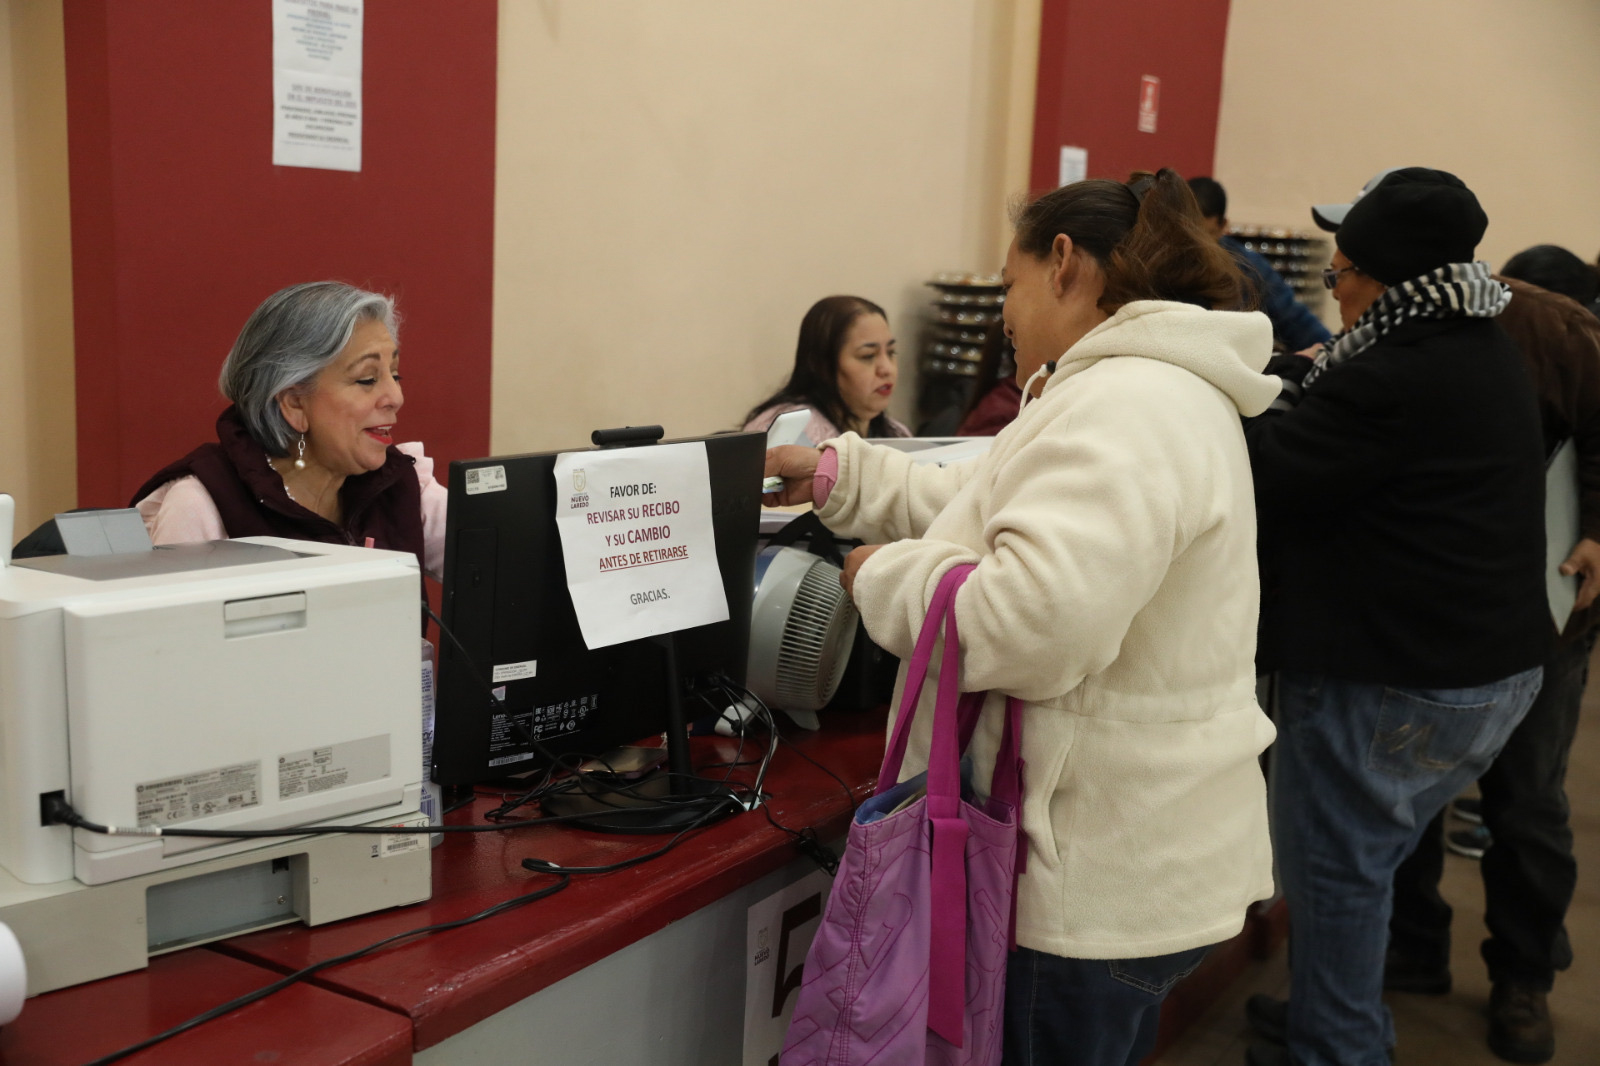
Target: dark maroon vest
384,504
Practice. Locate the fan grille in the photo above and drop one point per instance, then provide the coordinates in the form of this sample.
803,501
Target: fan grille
816,638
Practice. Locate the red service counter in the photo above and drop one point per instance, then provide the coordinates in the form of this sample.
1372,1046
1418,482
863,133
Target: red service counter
644,964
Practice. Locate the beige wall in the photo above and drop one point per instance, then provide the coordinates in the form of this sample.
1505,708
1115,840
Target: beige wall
677,183
37,453
1316,99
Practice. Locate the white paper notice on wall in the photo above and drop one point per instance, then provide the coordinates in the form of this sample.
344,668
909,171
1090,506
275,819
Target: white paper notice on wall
1074,164
641,555
316,83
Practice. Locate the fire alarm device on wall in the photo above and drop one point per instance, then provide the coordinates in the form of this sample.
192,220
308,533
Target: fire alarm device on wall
1149,102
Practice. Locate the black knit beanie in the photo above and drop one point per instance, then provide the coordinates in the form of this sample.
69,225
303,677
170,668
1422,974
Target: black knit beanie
1413,221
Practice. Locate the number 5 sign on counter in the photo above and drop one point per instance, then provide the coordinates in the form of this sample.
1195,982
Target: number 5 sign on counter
778,933
635,527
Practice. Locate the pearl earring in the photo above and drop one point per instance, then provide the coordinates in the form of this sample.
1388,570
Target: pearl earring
300,457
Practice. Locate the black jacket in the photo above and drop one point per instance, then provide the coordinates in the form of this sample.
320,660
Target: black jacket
1401,513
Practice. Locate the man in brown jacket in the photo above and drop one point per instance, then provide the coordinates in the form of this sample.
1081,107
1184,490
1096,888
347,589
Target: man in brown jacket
1528,870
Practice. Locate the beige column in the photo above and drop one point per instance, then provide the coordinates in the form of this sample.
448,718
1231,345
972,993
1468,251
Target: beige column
37,424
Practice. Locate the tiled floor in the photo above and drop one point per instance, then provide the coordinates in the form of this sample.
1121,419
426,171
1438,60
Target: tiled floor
1449,1030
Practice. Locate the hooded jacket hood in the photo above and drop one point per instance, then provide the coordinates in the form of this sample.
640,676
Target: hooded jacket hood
1228,349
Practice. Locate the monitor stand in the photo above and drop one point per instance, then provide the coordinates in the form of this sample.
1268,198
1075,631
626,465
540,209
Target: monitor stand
659,802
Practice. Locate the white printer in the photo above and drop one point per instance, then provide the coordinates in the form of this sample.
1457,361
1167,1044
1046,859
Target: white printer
246,684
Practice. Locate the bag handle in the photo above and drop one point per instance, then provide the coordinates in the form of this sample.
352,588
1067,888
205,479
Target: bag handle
955,717
947,962
917,672
1007,781
1006,784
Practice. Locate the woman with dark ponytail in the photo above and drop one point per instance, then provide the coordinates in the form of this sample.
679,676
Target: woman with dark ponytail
1115,592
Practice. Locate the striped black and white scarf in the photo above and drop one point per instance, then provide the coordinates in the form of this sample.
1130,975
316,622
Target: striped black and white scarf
1457,290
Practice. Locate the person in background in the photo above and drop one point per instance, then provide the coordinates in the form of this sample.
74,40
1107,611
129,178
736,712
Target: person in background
1529,873
1293,324
1552,267
305,450
996,396
844,371
1112,528
1400,491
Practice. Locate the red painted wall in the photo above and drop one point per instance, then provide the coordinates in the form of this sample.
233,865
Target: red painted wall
181,225
1092,54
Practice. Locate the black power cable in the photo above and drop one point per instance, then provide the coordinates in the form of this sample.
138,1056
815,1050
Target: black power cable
316,968
494,701
806,840
57,810
544,867
594,785
60,812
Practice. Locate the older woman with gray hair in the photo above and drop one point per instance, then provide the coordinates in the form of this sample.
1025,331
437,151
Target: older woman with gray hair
306,450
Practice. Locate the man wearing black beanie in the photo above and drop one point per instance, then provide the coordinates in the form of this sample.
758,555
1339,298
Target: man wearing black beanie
1400,488
1412,221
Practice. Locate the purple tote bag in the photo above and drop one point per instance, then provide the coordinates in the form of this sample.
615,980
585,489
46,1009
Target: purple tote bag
909,964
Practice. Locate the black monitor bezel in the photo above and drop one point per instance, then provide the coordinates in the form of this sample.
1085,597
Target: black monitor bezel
487,607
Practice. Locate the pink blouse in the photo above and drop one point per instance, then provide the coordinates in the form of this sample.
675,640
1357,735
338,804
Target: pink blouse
181,512
818,429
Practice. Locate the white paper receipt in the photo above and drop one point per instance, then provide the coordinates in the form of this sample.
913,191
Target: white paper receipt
486,479
516,671
635,527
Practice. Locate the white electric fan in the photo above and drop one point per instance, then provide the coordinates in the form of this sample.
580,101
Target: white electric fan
802,627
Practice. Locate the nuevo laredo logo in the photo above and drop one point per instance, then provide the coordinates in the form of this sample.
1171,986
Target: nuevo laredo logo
580,482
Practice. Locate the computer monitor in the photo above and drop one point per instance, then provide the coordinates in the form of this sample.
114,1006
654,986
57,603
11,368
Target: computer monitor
506,602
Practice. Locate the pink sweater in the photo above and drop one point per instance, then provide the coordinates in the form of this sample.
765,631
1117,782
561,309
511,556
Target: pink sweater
181,511
818,429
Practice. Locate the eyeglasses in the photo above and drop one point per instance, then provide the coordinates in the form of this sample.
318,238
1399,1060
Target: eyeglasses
1331,276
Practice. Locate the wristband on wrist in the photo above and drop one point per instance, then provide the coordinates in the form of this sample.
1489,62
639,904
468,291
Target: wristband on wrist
826,477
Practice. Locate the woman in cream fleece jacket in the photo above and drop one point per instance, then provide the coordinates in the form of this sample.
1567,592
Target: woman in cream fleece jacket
1113,528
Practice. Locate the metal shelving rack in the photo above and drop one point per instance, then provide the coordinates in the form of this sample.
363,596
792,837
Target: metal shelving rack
966,308
1297,255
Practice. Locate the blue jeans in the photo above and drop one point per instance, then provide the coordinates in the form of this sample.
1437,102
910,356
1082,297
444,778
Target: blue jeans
1087,1012
1529,874
1361,769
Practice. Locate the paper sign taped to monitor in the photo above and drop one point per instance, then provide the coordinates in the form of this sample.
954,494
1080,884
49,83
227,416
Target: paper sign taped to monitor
635,527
